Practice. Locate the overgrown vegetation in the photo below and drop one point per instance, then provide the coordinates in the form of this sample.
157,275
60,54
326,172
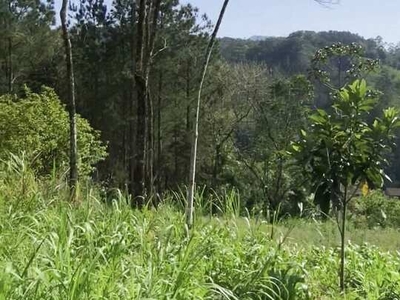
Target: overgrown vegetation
37,126
55,250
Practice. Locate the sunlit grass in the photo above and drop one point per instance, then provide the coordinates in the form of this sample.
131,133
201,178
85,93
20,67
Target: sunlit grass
308,233
51,249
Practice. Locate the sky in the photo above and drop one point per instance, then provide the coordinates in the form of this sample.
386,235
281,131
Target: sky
246,18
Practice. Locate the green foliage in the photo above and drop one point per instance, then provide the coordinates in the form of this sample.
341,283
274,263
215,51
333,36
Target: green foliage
256,94
37,125
18,182
28,45
343,151
343,148
348,60
268,174
291,55
376,210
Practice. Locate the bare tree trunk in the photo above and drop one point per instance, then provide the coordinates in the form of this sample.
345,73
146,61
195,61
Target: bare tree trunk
10,66
73,156
342,242
150,148
141,139
175,176
193,154
159,141
154,12
188,115
130,144
9,61
188,96
137,166
126,109
130,111
216,166
145,39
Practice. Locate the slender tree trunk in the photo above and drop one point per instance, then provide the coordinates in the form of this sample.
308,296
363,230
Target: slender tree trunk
159,140
130,145
137,166
147,115
277,196
9,61
141,139
145,39
193,155
125,128
154,12
217,165
188,113
188,96
150,148
130,110
10,66
176,174
188,118
343,246
73,156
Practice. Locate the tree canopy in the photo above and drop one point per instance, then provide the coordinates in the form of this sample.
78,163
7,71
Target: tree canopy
257,93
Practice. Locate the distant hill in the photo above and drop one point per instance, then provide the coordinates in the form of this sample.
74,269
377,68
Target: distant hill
292,54
257,38
287,56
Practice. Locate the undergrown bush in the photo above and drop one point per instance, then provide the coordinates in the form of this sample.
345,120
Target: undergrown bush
376,210
38,126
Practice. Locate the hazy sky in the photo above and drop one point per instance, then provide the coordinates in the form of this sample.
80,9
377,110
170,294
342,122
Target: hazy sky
245,18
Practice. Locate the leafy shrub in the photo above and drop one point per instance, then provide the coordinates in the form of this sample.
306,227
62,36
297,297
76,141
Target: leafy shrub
37,124
377,210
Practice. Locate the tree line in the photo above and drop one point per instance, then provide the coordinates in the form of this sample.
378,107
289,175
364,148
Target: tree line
137,68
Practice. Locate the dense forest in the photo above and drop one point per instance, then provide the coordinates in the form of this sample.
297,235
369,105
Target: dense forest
256,95
109,104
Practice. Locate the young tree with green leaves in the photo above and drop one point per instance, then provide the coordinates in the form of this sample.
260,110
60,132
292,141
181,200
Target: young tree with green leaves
342,150
332,68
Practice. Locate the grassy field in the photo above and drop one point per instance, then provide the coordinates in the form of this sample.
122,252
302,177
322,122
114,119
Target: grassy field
50,249
305,233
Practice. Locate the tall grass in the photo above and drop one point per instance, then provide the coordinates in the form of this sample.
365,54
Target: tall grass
51,249
95,252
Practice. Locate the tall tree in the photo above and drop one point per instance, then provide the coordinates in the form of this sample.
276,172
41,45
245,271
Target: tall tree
104,55
193,155
27,44
73,157
181,42
148,13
